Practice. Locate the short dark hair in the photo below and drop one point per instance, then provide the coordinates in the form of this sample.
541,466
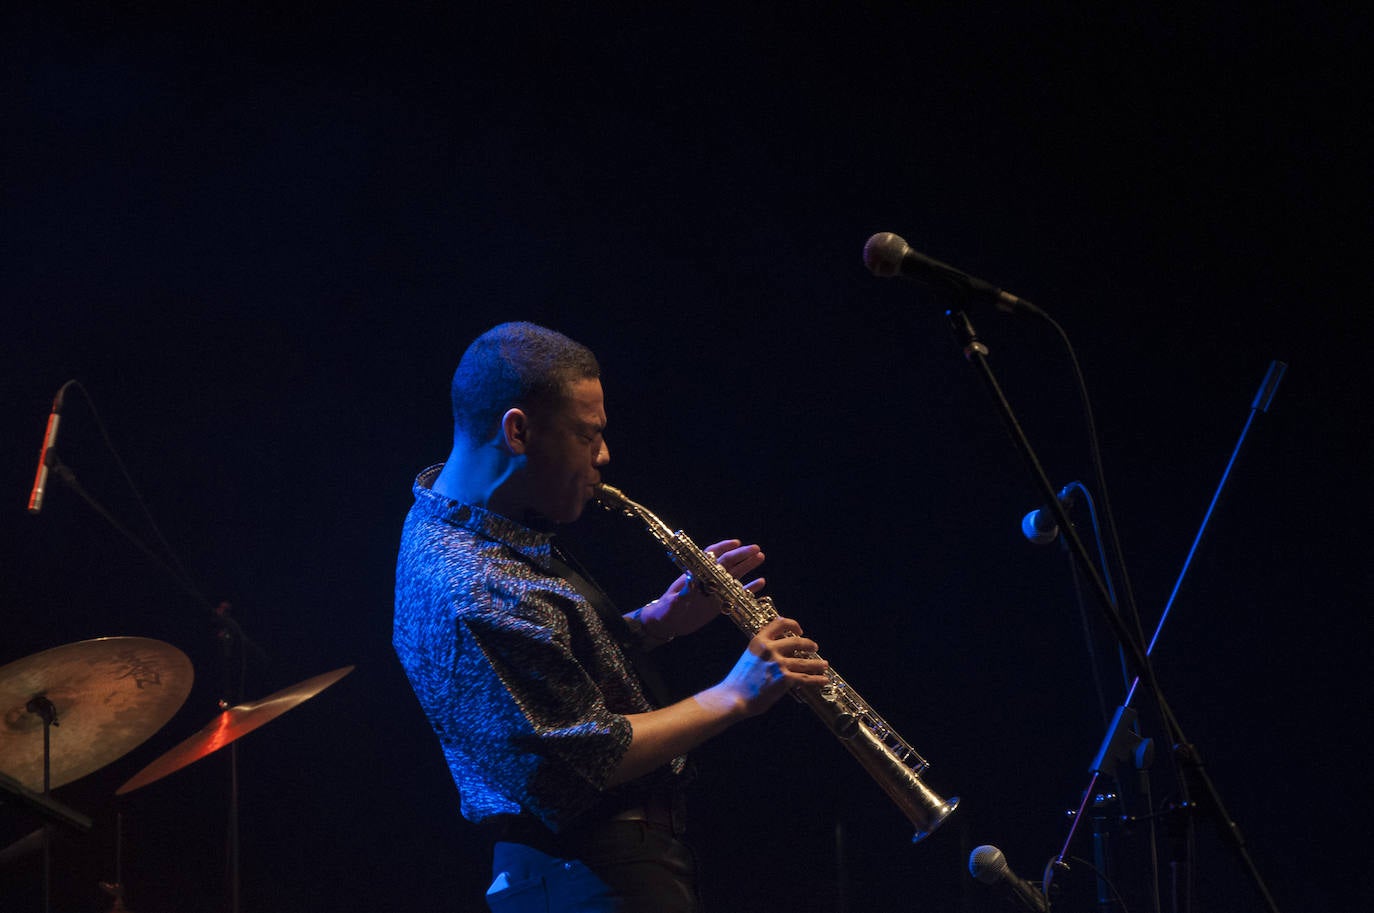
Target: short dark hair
514,365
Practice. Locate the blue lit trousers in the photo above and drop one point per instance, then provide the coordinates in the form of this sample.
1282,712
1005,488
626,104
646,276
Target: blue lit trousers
618,867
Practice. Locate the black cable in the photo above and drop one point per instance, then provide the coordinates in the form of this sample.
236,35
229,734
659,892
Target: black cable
1100,475
169,561
1120,901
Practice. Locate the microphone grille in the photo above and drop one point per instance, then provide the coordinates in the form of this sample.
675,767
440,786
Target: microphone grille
1039,527
883,254
987,864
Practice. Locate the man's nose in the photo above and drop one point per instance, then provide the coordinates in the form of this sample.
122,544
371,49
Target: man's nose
603,456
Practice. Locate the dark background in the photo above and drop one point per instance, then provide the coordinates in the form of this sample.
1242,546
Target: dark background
262,236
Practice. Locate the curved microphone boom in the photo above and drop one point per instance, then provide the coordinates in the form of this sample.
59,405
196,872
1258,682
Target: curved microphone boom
887,255
988,865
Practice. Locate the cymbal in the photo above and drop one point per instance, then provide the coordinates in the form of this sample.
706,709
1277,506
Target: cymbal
110,694
232,724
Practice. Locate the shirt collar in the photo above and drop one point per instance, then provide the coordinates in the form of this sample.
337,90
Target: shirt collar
531,542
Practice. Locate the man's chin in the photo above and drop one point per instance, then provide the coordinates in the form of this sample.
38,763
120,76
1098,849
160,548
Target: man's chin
570,515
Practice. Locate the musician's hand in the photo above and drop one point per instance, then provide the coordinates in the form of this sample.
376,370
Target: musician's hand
769,669
683,607
764,673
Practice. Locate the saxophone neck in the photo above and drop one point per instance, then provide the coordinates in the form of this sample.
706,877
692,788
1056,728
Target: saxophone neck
613,498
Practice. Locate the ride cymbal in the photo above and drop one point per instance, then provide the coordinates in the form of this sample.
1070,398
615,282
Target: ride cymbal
109,694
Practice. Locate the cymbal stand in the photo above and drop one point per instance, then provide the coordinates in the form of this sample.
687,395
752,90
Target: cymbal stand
230,637
43,708
116,888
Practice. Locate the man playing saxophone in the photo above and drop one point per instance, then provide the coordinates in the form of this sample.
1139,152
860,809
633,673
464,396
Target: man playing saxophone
528,676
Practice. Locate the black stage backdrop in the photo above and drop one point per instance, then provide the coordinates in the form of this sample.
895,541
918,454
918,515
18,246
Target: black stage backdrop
260,236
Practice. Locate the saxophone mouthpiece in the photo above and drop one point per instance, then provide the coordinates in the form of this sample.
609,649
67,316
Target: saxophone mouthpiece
608,495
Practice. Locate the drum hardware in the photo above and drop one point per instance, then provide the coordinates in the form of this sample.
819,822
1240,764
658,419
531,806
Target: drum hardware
91,702
104,696
226,728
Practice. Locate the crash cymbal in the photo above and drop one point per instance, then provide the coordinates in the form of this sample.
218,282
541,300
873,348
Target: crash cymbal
110,694
232,724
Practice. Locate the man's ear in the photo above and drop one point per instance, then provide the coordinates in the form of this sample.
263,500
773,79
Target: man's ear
515,430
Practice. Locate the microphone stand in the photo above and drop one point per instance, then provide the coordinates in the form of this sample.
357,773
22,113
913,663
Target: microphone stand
1113,748
1192,774
228,633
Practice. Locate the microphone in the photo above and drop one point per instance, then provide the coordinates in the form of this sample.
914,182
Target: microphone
46,455
988,865
887,255
1039,525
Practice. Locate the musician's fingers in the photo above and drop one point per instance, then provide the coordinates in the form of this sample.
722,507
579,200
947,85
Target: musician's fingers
785,647
736,558
717,549
780,627
808,671
797,671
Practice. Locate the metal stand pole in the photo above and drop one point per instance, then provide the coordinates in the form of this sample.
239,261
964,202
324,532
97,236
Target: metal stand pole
976,353
44,710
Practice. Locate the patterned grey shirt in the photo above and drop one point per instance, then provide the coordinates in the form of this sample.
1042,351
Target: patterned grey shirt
523,684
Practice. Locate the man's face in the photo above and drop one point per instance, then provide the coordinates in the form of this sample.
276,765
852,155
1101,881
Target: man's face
565,452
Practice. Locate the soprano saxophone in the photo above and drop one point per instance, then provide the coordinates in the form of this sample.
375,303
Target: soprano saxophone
895,765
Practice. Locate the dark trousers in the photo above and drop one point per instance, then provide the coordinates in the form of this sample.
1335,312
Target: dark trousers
611,867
